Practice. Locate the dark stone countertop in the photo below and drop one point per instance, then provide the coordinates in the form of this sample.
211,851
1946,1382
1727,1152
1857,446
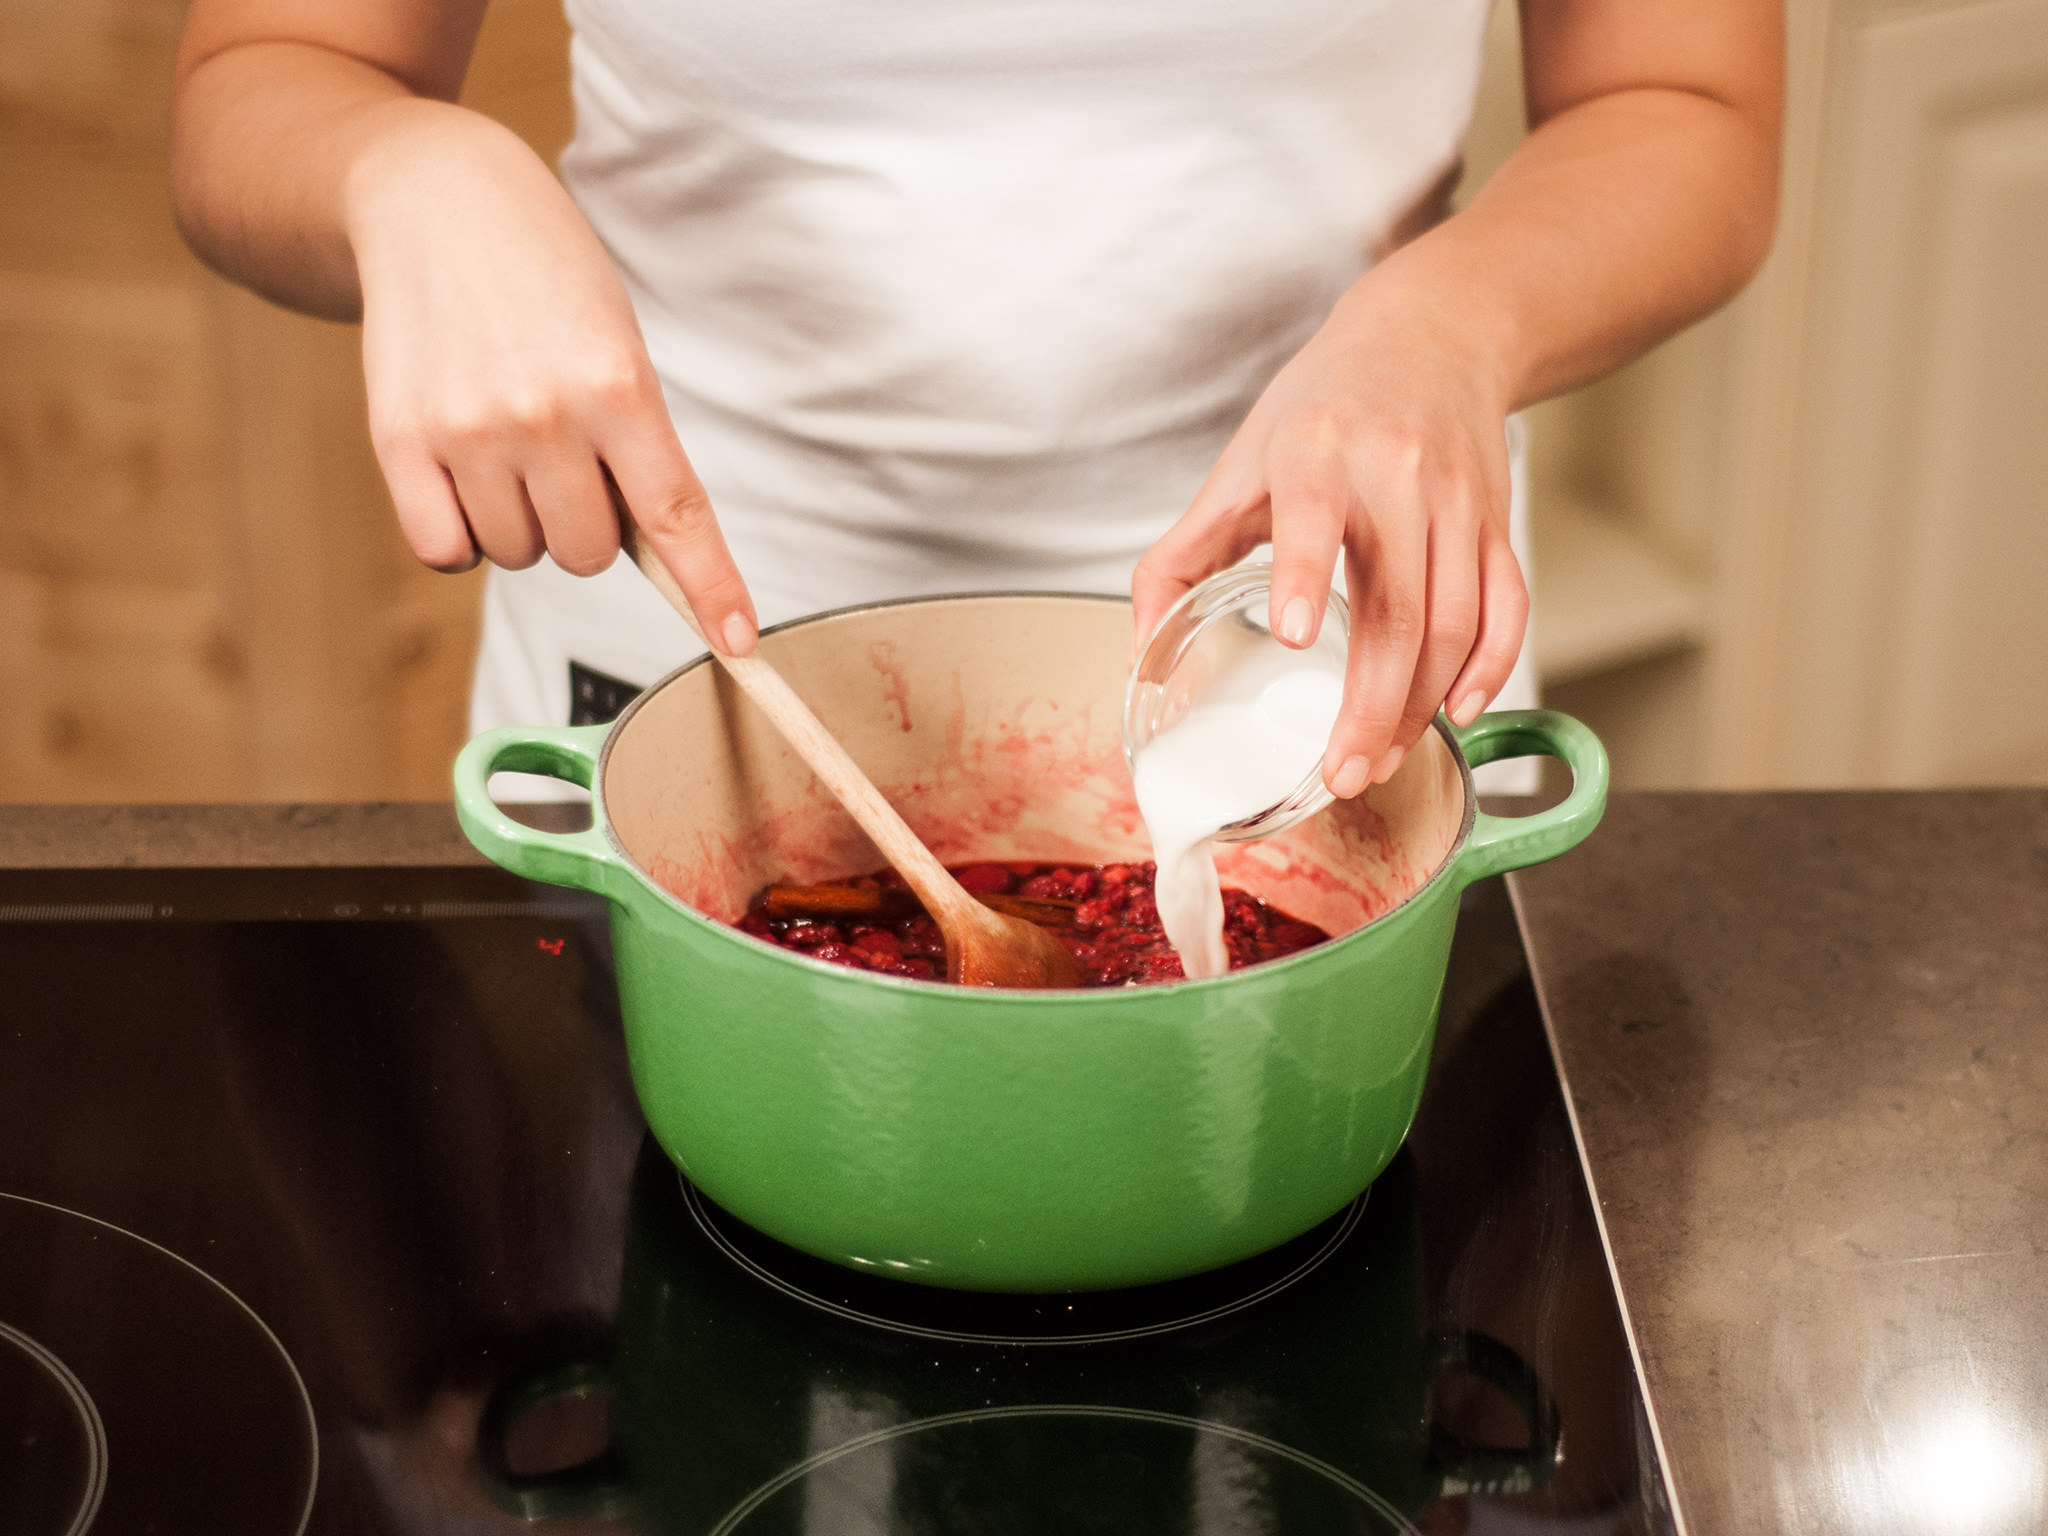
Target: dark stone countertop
1802,1037
398,833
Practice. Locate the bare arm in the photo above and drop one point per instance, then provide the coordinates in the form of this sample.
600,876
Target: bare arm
277,103
1643,198
317,157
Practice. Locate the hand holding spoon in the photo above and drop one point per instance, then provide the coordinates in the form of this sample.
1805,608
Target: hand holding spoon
983,947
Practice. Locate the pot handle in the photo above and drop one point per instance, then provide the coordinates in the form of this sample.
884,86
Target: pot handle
593,1489
1502,843
585,860
1466,1468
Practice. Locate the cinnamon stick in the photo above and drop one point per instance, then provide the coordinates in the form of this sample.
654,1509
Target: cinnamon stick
884,904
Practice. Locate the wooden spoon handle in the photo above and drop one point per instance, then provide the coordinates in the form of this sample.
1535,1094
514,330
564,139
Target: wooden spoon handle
818,747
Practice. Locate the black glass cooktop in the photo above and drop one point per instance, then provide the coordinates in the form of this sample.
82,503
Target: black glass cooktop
325,1206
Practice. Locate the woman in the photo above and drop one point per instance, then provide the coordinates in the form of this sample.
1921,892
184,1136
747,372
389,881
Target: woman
915,296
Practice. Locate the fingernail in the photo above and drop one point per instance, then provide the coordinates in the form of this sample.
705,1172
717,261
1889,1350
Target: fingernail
1351,778
1390,765
738,635
1468,708
1297,621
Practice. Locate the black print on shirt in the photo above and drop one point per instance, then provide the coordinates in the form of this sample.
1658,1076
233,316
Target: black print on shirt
596,698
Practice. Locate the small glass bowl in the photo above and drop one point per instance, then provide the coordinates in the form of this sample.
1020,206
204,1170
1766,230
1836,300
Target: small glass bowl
1212,624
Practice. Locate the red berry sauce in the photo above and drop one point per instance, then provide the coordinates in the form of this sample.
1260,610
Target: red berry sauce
1112,927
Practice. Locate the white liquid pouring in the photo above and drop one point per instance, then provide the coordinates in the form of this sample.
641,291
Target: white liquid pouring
1247,741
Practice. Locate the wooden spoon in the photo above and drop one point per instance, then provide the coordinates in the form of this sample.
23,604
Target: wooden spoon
983,947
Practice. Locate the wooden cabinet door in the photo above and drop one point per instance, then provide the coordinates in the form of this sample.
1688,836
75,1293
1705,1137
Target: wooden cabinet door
1913,629
1869,424
203,595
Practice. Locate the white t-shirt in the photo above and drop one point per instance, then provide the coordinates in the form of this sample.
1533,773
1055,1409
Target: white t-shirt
967,294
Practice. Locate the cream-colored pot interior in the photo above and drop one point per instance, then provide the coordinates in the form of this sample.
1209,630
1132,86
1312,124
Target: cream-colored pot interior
994,725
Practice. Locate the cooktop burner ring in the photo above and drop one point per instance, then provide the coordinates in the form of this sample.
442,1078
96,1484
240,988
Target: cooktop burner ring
734,1238
1398,1524
92,1429
112,1317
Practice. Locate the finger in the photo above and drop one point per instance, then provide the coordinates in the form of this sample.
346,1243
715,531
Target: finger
1453,622
429,513
567,492
501,520
668,503
1503,622
1386,560
1312,501
1227,520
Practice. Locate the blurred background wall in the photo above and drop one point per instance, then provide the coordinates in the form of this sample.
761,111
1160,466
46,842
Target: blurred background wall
1805,543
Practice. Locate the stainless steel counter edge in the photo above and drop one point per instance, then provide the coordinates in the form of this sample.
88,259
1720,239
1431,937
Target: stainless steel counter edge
1628,1323
404,834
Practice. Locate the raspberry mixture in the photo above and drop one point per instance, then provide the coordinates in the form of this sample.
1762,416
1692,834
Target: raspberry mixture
1103,913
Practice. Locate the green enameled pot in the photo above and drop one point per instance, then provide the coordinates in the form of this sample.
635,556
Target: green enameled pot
1000,1140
